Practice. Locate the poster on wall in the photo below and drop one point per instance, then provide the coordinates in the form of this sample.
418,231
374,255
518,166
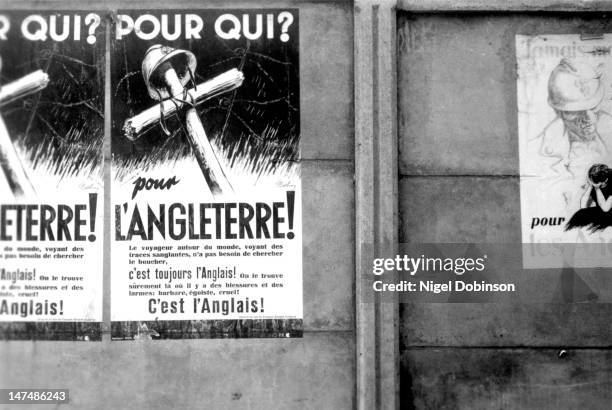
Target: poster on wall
564,87
51,185
206,192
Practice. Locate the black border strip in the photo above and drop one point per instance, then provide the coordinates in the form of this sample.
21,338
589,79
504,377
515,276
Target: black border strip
207,329
60,331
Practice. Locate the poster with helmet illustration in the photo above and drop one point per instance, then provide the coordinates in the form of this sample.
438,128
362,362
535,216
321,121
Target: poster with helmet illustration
564,91
205,178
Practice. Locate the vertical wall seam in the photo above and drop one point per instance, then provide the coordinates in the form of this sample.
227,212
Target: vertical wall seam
386,168
106,326
364,203
394,63
388,181
376,194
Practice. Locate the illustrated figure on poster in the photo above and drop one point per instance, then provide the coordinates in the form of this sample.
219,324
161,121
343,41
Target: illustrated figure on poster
596,201
167,72
12,168
581,130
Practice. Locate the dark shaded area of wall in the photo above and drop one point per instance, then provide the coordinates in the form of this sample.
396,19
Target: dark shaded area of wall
459,183
315,372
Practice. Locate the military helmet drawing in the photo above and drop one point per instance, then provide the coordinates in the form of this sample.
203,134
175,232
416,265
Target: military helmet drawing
574,86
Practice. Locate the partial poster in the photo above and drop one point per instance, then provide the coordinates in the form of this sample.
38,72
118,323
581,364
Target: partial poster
206,191
564,88
51,187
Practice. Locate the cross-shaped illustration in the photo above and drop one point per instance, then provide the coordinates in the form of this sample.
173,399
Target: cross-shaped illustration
11,165
166,72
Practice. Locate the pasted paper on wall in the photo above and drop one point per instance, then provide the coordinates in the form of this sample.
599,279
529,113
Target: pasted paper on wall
206,193
51,138
564,87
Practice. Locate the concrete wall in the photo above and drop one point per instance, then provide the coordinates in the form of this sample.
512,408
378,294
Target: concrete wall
459,183
316,372
457,135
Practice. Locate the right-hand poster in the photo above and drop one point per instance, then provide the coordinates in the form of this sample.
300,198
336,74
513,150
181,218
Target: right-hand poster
565,149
